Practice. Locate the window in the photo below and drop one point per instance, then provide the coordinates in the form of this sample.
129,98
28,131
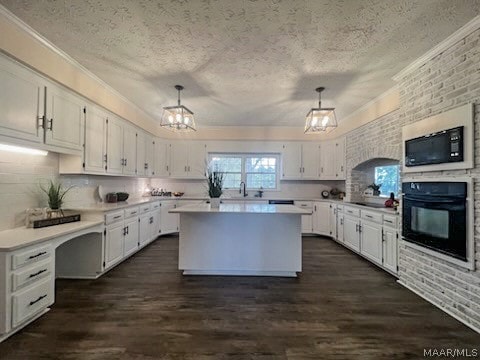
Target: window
256,170
388,177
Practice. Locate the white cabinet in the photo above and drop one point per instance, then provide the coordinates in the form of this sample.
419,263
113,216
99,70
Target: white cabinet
161,158
188,159
144,228
307,220
155,227
114,146
333,221
170,221
141,163
95,152
149,155
22,95
390,248
332,160
340,227
321,218
65,117
351,232
114,243
129,149
300,161
371,241
131,236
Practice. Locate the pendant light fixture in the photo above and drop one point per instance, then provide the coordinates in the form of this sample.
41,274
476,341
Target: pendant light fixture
319,119
178,118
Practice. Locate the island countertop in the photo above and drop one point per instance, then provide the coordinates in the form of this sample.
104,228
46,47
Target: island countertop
242,208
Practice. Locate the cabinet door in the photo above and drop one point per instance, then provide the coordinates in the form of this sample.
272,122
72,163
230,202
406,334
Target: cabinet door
21,102
390,249
340,159
197,160
129,150
149,156
114,145
327,160
131,235
333,221
179,160
95,140
156,225
350,232
144,231
292,161
170,221
113,244
161,159
307,224
321,219
141,147
64,119
371,241
310,161
340,227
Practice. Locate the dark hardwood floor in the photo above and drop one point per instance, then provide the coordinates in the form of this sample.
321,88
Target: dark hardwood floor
341,307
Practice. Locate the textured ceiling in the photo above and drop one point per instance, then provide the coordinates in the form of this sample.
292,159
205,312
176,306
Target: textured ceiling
246,62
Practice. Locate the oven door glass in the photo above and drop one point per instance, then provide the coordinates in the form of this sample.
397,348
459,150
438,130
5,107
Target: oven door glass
438,223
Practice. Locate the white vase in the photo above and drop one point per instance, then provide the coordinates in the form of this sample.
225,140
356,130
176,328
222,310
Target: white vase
214,203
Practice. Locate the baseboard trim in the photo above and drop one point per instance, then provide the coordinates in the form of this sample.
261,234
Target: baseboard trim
456,317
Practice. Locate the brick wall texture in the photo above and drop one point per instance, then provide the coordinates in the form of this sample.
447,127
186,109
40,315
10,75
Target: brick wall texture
449,80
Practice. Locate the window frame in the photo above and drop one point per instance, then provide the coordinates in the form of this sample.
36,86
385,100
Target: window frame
244,172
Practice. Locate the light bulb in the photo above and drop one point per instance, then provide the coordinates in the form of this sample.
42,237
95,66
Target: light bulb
186,120
178,118
325,121
314,121
170,119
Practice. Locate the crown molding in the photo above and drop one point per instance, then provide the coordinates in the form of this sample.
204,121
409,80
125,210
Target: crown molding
12,18
458,35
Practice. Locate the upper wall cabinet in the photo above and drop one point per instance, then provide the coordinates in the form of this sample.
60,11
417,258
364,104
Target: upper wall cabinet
332,160
21,102
95,157
161,158
300,161
65,116
149,155
188,159
115,145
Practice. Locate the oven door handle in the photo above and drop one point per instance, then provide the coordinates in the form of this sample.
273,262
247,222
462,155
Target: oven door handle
435,201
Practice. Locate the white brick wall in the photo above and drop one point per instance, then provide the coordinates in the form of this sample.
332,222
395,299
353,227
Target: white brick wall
449,80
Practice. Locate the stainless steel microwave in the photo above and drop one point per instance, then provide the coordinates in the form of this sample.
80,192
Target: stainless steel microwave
444,146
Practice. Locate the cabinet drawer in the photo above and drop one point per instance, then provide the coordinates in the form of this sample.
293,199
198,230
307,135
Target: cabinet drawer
372,216
351,211
155,206
114,217
33,273
145,208
340,208
31,301
304,204
130,212
31,256
390,220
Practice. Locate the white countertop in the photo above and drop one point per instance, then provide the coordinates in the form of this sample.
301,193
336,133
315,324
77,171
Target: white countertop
16,238
241,208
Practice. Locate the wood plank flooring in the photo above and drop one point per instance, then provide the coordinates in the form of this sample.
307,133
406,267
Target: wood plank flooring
341,307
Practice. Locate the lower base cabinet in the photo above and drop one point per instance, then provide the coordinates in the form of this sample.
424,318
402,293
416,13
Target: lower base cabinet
113,243
170,221
351,233
390,249
340,228
131,236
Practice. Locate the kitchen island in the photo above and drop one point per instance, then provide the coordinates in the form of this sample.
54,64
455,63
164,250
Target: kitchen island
240,239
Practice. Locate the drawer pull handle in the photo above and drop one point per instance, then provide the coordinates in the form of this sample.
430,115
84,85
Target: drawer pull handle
117,217
38,299
37,273
303,205
368,216
39,254
388,221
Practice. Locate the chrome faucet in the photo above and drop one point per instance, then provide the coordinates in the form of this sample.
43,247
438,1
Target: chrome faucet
244,189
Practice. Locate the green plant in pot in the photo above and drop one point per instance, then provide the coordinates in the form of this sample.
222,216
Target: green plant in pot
215,181
375,188
56,195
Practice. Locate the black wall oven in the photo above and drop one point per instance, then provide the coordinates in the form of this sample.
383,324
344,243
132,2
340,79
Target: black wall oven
435,216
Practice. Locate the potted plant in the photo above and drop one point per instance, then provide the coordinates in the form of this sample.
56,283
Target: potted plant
55,195
215,185
375,188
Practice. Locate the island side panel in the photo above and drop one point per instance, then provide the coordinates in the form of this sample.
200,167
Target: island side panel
240,244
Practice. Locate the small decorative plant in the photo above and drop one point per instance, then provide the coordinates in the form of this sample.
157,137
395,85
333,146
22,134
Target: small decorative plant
215,182
375,188
55,194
